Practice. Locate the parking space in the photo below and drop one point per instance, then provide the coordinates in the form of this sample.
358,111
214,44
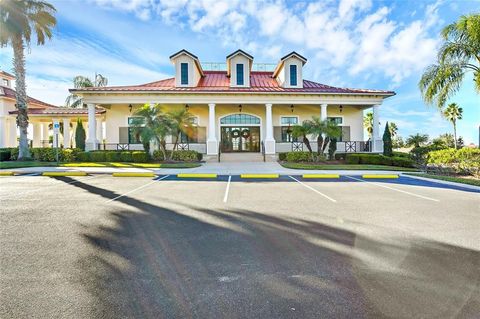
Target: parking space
228,247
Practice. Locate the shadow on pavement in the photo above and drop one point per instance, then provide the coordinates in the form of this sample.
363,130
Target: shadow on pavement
152,261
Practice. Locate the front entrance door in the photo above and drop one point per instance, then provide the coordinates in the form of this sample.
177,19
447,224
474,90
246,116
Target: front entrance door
240,139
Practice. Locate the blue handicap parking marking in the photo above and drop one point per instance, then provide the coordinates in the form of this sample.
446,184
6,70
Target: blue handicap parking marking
406,180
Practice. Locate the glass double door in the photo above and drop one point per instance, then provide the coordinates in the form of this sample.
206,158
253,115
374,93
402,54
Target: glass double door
240,138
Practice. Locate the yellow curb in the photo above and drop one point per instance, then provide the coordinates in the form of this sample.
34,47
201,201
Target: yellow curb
379,176
6,173
132,174
193,175
321,176
64,174
259,176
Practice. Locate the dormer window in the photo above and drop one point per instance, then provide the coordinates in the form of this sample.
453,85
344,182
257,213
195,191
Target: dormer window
240,80
184,73
293,75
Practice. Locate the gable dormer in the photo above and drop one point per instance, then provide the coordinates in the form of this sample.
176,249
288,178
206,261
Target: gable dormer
239,65
188,70
6,79
289,71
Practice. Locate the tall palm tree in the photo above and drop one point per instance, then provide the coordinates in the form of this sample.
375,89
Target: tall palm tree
453,113
368,123
181,122
18,21
323,131
416,140
393,129
80,82
459,54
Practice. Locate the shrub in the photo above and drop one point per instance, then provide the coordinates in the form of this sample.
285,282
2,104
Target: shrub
14,154
352,158
340,156
139,157
296,157
387,141
402,162
401,154
97,156
157,156
113,156
69,154
80,135
282,156
446,156
463,161
185,156
84,156
126,156
5,154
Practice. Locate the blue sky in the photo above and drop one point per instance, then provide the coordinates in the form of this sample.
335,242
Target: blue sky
348,43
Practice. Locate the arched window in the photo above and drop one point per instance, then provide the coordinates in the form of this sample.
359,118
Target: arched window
240,119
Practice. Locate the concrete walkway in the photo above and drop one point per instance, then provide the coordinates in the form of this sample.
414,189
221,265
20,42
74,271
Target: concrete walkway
223,168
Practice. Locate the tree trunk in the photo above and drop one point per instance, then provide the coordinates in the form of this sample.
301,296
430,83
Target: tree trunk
175,145
319,144
307,143
21,96
455,135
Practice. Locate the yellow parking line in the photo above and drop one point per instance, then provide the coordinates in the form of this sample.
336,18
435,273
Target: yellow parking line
133,174
193,175
6,173
321,176
259,175
64,174
380,176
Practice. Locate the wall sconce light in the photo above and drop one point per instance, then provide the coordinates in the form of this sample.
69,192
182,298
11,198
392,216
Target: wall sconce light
130,107
340,108
292,108
240,108
187,107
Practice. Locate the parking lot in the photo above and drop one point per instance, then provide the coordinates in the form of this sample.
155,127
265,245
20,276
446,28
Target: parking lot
109,247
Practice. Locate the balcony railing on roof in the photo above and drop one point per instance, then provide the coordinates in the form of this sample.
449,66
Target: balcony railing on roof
222,66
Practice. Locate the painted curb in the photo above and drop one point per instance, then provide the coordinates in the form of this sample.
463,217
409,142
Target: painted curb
132,174
7,173
64,174
320,176
193,175
379,176
259,176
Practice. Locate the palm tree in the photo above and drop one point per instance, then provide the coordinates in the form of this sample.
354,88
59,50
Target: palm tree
459,54
80,82
18,20
181,122
323,131
152,124
453,113
416,140
368,123
393,129
302,131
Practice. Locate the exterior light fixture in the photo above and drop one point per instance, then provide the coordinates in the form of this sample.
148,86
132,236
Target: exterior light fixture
130,107
292,108
340,108
240,108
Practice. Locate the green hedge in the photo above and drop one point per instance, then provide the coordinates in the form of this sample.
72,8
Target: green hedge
6,153
375,159
181,156
463,161
113,156
126,157
84,157
282,156
98,156
140,157
49,154
295,157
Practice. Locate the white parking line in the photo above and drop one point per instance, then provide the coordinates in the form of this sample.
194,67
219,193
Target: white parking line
394,189
225,198
136,189
313,189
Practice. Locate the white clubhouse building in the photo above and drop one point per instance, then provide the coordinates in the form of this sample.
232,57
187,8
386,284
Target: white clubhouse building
238,107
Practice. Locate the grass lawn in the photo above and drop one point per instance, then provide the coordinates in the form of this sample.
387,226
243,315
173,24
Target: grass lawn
347,167
15,164
463,180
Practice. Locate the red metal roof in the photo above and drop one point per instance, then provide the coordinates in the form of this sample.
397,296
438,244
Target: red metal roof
59,111
10,93
219,82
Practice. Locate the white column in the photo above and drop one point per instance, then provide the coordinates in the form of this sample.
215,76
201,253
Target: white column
66,132
323,113
12,132
269,140
37,134
212,144
3,131
91,142
72,132
376,147
45,135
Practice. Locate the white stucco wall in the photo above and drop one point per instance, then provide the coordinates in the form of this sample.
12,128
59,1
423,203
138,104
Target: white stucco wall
193,73
283,77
